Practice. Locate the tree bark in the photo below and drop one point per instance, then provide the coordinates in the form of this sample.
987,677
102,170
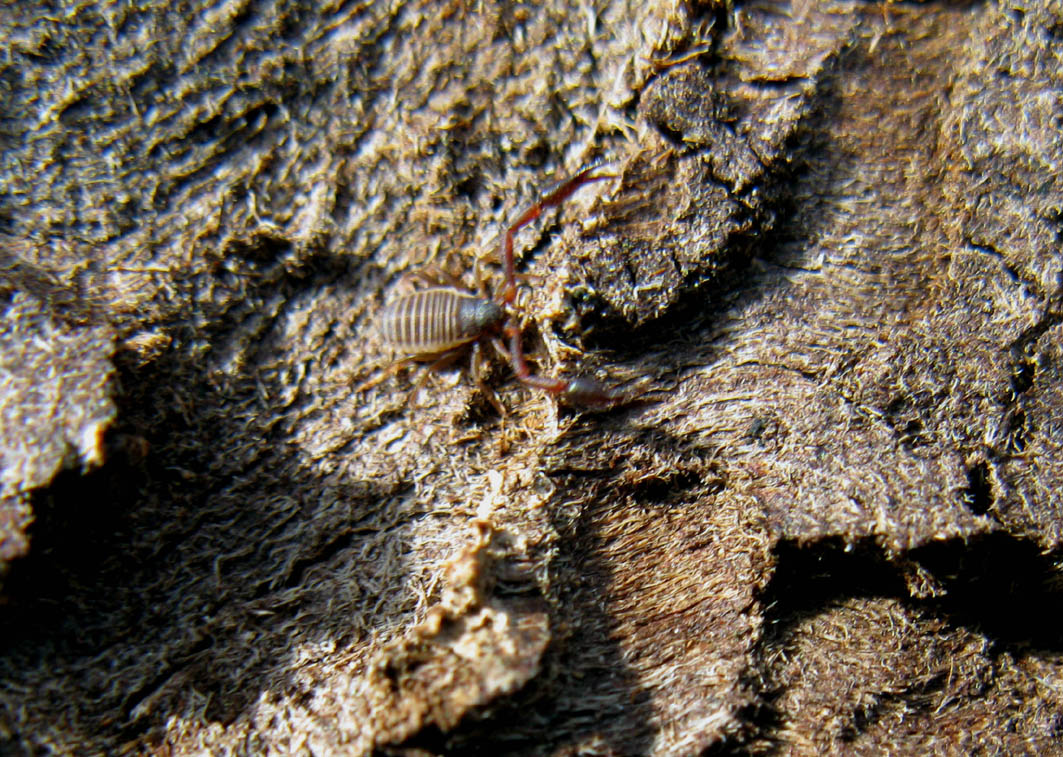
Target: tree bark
826,276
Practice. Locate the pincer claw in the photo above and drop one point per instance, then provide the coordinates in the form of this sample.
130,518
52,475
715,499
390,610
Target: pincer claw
587,392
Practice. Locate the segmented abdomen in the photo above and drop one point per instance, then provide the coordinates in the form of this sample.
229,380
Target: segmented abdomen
427,322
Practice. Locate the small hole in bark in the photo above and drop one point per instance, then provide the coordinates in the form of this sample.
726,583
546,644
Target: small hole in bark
978,496
1022,376
536,155
1016,432
468,187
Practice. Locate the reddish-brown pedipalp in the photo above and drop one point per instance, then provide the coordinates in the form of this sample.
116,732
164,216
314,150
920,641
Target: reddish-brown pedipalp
436,323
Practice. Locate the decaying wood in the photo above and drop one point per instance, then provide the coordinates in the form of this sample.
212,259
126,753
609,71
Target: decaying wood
830,264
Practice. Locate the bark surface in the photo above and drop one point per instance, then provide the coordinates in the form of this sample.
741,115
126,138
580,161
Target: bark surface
828,272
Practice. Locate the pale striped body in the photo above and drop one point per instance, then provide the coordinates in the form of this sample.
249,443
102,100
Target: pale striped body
433,321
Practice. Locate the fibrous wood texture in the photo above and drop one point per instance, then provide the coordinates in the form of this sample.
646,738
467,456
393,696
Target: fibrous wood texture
828,270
